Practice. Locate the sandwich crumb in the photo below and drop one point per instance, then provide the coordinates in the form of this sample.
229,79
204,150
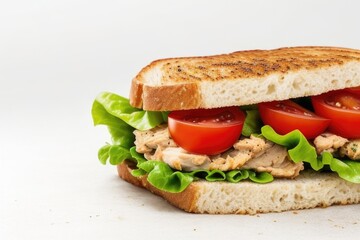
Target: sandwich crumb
294,212
339,226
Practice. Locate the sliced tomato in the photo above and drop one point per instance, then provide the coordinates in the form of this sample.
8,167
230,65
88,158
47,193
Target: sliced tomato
355,90
206,131
286,116
343,108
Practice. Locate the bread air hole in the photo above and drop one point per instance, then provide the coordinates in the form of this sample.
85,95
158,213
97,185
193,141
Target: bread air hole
281,79
298,197
343,191
296,85
271,89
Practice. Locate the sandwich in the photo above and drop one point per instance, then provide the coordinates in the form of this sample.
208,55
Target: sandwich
242,133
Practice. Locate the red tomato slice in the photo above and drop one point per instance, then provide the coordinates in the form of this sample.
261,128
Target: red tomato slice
343,108
206,131
286,116
355,90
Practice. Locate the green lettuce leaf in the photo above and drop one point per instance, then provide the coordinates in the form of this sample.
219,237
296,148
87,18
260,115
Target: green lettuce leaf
120,108
346,169
139,158
161,176
121,133
300,149
260,177
209,175
118,154
115,154
239,175
252,124
103,153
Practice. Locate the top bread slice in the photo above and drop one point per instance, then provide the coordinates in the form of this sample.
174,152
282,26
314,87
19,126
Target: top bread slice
243,78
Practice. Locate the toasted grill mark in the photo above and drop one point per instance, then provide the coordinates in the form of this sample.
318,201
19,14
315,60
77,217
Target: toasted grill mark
247,70
193,76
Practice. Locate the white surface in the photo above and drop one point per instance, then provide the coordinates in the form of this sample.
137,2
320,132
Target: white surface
55,56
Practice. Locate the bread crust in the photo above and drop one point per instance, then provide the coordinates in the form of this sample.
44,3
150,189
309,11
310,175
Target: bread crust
182,83
309,190
135,92
184,200
175,96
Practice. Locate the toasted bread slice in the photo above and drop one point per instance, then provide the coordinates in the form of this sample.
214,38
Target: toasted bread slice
243,78
309,190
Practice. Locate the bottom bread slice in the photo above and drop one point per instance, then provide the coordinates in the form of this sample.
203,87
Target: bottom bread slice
311,189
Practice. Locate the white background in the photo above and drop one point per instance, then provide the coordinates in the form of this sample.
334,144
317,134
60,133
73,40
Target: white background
56,56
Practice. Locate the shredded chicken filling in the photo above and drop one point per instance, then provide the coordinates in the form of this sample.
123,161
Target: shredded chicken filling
247,153
338,146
